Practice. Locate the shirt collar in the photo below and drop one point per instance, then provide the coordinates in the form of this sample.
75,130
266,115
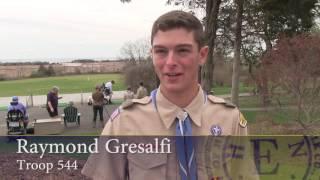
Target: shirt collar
169,111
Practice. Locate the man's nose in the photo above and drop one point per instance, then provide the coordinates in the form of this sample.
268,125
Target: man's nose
171,59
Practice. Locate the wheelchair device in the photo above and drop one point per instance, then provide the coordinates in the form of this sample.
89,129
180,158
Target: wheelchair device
15,122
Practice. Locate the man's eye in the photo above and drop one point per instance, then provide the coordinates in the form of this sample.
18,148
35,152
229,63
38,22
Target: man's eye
160,51
183,50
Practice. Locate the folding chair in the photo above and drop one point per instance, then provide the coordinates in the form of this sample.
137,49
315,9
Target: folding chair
71,115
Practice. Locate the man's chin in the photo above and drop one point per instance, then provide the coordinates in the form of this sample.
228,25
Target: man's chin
173,88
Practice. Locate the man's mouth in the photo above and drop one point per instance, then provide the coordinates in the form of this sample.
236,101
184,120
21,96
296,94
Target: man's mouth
173,74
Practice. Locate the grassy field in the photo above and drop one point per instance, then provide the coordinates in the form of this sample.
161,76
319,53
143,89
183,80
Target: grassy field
218,90
277,116
76,84
67,84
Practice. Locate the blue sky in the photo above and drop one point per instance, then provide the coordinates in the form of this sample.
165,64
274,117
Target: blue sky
58,30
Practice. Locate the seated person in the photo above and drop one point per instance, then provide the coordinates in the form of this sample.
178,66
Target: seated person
129,94
71,114
108,90
142,91
90,101
16,105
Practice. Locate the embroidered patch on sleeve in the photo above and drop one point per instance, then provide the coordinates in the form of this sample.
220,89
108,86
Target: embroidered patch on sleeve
243,121
115,114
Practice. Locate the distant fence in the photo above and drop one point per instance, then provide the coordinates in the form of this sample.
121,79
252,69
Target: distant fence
39,100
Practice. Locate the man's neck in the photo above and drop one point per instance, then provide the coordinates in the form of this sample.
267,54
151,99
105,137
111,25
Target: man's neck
181,99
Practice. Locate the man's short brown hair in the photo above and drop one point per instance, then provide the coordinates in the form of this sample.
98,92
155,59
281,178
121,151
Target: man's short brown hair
179,19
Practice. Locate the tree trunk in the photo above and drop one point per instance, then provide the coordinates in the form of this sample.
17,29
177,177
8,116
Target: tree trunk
212,10
299,112
264,78
237,48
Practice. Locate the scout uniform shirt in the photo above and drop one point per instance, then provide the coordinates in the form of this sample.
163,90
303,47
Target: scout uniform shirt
145,117
156,116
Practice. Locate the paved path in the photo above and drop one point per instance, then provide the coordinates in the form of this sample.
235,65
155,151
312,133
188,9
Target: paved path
85,128
38,112
41,99
77,98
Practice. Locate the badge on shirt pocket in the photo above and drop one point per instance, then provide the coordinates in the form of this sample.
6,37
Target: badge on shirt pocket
216,130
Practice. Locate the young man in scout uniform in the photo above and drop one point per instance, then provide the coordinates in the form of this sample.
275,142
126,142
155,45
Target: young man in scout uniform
179,107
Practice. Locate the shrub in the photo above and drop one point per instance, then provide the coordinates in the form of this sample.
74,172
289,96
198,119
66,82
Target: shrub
2,78
222,73
134,73
43,71
293,66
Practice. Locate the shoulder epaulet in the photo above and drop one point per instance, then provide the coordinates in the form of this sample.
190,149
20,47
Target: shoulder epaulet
144,100
131,102
217,100
230,104
128,103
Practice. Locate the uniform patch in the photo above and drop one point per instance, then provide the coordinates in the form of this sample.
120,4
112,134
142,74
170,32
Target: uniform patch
115,114
243,121
216,130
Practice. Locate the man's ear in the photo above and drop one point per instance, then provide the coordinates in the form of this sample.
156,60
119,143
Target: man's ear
203,54
150,52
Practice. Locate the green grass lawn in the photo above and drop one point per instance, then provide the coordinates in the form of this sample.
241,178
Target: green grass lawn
77,84
255,101
277,116
250,115
67,84
219,90
275,120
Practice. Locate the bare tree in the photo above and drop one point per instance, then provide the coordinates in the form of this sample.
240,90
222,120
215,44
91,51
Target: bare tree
237,48
136,51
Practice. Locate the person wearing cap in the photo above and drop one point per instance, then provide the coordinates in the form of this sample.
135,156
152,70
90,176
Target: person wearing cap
52,102
141,91
97,105
179,107
16,105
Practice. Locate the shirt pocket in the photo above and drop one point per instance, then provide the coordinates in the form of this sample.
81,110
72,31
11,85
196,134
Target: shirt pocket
147,166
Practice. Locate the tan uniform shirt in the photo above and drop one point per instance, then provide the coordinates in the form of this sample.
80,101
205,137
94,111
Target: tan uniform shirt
141,92
143,117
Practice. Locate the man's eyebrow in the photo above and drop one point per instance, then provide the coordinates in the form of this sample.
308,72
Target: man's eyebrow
184,45
177,46
158,46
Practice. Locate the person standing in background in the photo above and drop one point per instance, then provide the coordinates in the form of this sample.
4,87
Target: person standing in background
98,101
52,102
